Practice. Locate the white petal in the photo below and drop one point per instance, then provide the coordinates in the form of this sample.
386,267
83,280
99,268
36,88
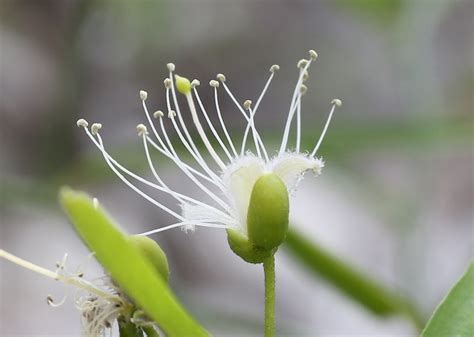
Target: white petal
239,179
291,167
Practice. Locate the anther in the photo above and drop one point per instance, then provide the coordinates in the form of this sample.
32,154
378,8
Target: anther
214,84
82,123
143,95
141,129
274,68
336,102
313,54
49,300
302,63
305,76
95,128
171,114
171,66
80,275
167,83
158,114
247,104
195,83
221,77
303,89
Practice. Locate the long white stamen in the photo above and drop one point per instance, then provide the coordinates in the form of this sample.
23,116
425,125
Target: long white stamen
155,132
265,88
335,102
298,124
211,126
293,106
181,165
165,151
107,156
181,224
132,186
255,133
180,197
76,282
193,151
221,120
197,124
183,125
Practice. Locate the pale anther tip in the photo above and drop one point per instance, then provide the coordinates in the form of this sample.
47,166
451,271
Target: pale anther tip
195,83
171,114
158,114
221,77
313,54
141,130
302,63
171,66
82,123
143,95
303,89
274,68
214,83
95,128
336,102
167,83
247,104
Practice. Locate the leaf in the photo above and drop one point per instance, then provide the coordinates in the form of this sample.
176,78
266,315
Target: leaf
127,266
347,279
455,314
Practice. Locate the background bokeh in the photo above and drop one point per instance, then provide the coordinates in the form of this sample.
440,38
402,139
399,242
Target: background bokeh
395,199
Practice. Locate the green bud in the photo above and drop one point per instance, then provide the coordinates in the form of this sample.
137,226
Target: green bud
153,252
182,84
241,246
267,216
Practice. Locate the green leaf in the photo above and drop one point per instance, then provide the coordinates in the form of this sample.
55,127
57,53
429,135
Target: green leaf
455,314
347,279
128,267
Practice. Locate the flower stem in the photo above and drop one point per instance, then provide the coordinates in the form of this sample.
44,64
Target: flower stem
269,272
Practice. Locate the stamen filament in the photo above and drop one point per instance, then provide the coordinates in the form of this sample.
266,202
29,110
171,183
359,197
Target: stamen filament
221,120
181,224
255,133
78,283
335,103
265,88
205,140
292,108
211,126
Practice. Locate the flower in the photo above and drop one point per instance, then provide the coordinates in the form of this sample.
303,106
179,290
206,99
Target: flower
100,302
229,181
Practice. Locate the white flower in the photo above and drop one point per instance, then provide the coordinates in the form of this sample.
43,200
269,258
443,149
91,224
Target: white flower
100,302
230,179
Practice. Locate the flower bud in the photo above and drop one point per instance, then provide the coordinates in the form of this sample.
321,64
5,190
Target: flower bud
153,252
267,216
182,84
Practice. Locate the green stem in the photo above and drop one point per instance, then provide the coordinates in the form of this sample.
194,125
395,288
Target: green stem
269,272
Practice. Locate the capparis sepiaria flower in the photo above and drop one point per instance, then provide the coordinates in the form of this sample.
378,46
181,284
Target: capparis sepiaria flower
247,183
99,301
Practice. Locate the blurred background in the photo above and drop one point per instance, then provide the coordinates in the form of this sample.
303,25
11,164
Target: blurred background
395,199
